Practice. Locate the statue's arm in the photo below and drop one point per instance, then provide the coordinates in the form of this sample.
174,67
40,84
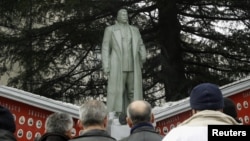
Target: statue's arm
106,50
142,49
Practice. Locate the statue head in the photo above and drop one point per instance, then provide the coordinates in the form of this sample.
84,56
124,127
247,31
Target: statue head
122,16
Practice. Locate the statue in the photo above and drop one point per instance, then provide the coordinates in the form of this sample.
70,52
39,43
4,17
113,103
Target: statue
123,55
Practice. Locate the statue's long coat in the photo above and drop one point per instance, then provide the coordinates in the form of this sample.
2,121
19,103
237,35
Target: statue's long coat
111,61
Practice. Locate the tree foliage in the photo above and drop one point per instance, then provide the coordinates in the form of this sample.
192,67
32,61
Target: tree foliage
54,46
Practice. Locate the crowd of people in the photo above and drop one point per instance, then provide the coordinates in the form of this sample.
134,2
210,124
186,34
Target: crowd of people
207,104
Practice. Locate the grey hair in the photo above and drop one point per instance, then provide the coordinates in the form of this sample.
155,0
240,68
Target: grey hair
59,123
92,112
142,116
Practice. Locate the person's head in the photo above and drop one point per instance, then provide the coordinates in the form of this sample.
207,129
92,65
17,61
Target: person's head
230,108
37,138
206,96
93,113
122,16
7,121
61,123
139,111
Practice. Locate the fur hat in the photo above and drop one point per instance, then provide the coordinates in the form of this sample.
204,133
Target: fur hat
7,120
206,96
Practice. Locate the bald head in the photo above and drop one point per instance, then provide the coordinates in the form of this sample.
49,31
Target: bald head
139,111
139,106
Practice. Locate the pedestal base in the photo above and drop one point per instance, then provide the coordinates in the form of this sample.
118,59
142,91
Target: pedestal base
117,130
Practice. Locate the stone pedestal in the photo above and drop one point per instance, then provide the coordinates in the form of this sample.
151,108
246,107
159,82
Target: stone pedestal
117,130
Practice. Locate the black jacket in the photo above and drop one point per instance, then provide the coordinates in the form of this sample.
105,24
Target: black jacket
54,137
6,135
143,132
94,135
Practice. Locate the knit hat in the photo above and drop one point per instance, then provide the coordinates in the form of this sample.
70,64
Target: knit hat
206,96
7,120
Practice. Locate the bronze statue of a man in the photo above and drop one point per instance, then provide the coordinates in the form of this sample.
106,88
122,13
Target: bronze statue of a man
123,55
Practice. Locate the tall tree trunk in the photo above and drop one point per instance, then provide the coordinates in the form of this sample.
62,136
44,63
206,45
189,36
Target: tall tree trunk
29,61
171,51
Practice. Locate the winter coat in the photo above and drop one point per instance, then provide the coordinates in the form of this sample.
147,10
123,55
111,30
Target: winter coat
94,135
143,132
112,63
195,128
54,137
6,135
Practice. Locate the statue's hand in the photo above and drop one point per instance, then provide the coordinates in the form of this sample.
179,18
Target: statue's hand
106,73
143,60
